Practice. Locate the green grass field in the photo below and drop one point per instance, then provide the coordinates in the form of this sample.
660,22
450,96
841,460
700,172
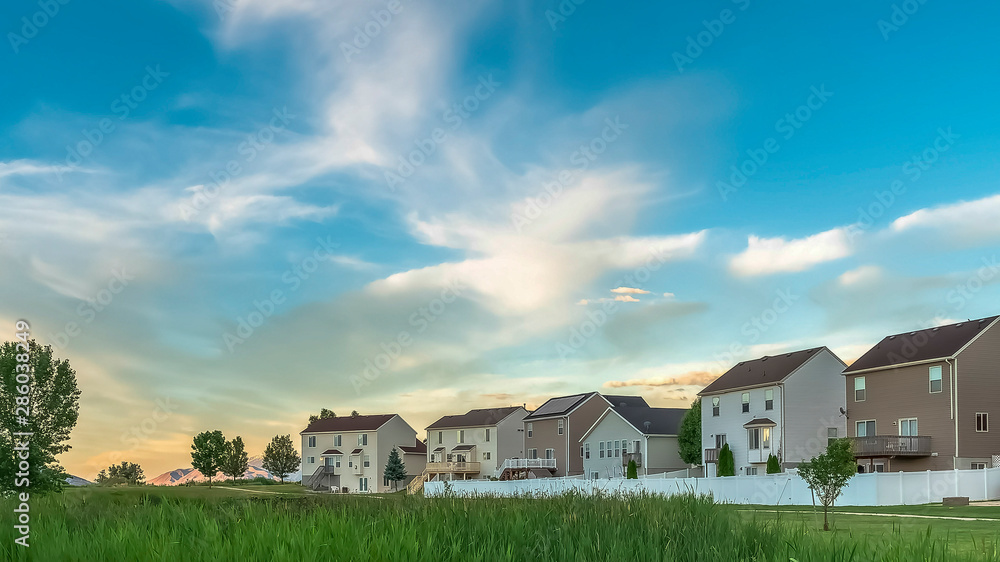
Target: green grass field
283,522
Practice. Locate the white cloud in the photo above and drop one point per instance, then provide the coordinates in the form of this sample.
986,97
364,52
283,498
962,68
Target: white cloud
970,222
626,298
765,256
629,291
861,276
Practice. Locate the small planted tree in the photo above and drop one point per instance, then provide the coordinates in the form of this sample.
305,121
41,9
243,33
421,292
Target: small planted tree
208,452
128,473
280,457
236,461
689,436
632,472
727,464
773,466
395,470
828,473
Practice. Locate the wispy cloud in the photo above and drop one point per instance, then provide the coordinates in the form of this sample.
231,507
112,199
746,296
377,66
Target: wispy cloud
765,256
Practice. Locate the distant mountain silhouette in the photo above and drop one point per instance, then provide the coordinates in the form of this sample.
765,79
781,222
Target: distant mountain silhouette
185,475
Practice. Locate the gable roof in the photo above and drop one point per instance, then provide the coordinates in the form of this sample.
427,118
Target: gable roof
420,447
475,418
764,371
662,421
626,401
348,423
922,345
560,406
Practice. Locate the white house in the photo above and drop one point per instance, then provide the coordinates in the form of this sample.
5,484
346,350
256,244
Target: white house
788,405
474,444
350,453
632,432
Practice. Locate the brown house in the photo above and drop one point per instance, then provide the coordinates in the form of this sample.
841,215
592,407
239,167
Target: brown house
923,400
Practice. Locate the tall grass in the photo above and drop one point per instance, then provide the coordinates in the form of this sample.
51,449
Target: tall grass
144,524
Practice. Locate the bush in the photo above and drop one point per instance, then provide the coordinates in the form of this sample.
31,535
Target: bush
773,467
727,464
633,471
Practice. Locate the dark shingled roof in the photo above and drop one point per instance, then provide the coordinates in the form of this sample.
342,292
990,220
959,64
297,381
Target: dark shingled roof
474,418
331,452
348,423
420,447
626,401
464,448
356,451
922,345
759,422
559,406
766,370
662,421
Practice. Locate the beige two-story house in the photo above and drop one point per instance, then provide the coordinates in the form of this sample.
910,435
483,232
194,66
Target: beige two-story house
923,400
473,444
348,454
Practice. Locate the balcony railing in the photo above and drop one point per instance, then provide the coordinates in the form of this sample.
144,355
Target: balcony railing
526,464
712,455
637,457
892,446
452,467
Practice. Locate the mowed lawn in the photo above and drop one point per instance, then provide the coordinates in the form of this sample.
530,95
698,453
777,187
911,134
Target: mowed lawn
284,522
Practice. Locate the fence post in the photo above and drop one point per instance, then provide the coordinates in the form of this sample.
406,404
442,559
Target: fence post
902,498
929,500
986,486
956,481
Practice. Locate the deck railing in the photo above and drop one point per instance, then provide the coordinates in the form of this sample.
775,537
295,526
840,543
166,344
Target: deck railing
892,446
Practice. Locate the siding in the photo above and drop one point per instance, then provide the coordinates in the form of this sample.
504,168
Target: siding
581,420
979,391
731,420
813,397
663,454
611,428
510,438
545,435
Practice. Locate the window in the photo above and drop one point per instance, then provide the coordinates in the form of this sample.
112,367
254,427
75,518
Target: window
720,440
531,429
601,450
561,427
831,434
461,436
487,435
312,440
337,441
336,461
586,451
859,389
581,451
440,436
865,428
638,447
362,439
908,427
618,448
982,422
746,402
362,484
350,462
595,475
765,437
312,460
486,455
753,438
935,376
328,461
751,471
368,461
550,453
978,466
715,406
532,453
769,399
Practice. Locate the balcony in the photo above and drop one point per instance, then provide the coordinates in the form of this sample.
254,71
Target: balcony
453,467
637,457
712,455
892,446
513,468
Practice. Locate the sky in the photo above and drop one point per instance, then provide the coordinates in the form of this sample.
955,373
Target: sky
230,214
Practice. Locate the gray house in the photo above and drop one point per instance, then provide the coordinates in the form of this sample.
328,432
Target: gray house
642,434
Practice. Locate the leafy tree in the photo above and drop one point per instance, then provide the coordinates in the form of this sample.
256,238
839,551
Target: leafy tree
727,464
235,462
280,457
689,436
773,466
128,473
632,473
395,470
828,473
48,409
323,414
208,453
354,413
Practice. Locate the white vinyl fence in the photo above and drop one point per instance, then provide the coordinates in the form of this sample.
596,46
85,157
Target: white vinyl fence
880,488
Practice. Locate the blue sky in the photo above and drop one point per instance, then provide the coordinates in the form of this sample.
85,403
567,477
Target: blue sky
195,210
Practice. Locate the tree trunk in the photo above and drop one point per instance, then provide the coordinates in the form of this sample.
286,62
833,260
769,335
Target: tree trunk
826,525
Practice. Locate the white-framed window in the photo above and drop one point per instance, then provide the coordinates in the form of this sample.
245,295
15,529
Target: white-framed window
440,437
586,450
368,461
362,484
618,448
638,446
746,402
531,429
595,475
460,436
486,455
550,453
751,471
935,379
715,406
312,441
362,439
350,462
601,454
831,434
581,451
560,427
765,437
753,438
532,453
908,427
982,422
865,428
859,389
312,460
336,460
720,440
487,435
979,466
769,399
337,440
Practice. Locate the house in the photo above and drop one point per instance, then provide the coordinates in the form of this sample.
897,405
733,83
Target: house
788,405
349,453
640,433
923,400
552,435
473,444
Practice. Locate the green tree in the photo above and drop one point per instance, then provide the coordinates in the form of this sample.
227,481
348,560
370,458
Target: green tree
38,396
773,466
395,470
632,472
280,457
128,473
323,414
236,462
208,453
727,464
828,473
354,413
689,436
